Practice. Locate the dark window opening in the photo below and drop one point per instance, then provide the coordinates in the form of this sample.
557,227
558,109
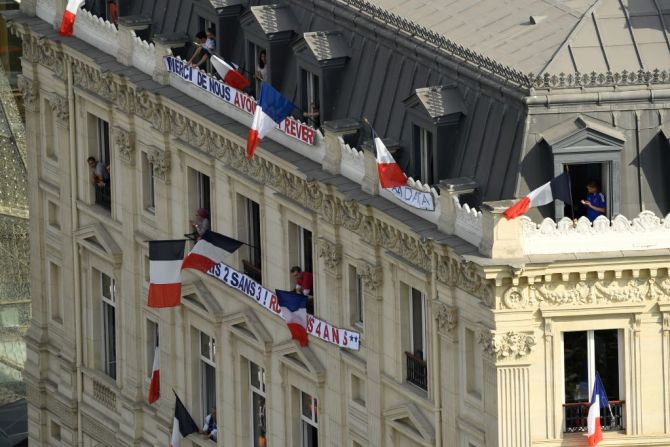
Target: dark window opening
310,101
580,175
252,222
422,140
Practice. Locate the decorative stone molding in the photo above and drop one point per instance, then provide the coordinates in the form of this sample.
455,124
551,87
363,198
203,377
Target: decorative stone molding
587,293
125,143
594,79
509,345
666,321
60,107
66,415
330,252
98,430
446,316
161,162
30,92
372,275
103,394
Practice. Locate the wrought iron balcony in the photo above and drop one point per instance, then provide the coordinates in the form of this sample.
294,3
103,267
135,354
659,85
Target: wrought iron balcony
576,414
417,372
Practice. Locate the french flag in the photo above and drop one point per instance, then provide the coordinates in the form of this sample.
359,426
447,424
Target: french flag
165,259
67,25
557,188
210,250
598,401
272,108
155,385
390,174
230,75
182,424
294,311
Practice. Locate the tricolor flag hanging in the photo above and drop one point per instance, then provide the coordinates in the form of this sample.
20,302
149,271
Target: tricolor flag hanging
155,385
210,250
182,425
272,108
557,188
229,74
390,174
165,260
598,401
67,24
294,311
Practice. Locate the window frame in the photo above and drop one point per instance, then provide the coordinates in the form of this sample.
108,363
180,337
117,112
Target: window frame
356,297
204,363
152,342
108,304
311,421
260,392
148,185
424,140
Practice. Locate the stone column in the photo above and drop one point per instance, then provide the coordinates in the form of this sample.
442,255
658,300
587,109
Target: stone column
329,305
450,191
447,338
665,311
500,237
370,182
334,130
506,380
164,44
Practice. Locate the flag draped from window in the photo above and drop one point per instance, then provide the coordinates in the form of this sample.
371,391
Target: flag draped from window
211,249
272,108
182,424
67,24
165,260
390,174
556,188
598,401
229,74
155,385
294,311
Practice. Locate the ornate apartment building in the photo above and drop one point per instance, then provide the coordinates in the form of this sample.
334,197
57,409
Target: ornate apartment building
471,330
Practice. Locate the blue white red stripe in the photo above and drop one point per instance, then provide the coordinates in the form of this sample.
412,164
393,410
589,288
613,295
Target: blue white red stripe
294,311
211,249
390,174
598,401
67,24
229,74
165,259
272,108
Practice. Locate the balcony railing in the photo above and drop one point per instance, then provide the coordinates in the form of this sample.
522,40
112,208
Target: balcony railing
417,372
576,415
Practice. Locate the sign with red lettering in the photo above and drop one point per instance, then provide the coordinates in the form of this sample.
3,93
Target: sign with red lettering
290,126
325,331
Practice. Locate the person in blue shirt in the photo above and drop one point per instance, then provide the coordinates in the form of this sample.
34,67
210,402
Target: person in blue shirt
595,201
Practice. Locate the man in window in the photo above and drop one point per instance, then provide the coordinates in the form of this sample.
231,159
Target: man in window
209,428
595,201
210,43
304,284
200,224
201,51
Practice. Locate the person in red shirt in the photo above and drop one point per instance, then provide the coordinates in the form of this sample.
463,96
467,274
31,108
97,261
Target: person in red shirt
113,14
303,280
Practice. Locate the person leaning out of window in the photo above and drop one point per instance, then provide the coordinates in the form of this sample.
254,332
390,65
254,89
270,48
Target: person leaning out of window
201,53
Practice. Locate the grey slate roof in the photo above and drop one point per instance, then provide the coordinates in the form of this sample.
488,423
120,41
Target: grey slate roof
326,45
441,100
274,18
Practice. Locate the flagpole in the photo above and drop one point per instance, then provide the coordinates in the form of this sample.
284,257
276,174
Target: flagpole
572,199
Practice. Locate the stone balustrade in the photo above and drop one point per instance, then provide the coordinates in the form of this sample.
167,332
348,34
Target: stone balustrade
487,229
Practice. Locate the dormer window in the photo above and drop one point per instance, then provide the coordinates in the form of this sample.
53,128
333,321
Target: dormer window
435,114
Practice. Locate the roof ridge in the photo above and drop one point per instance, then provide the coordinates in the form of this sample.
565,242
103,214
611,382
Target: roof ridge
471,57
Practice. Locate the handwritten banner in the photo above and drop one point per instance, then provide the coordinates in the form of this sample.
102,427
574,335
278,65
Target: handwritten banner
264,297
418,199
242,101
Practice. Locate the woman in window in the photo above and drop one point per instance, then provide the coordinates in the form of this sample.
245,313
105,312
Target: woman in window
261,70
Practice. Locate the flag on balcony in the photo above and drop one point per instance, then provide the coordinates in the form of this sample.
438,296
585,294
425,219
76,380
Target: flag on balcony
390,174
556,188
271,110
294,311
67,24
211,249
182,424
598,401
165,260
229,74
155,385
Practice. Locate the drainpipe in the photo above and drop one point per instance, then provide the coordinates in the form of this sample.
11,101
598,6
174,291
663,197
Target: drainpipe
75,251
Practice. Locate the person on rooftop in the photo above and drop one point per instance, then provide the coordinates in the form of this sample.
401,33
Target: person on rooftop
201,53
595,201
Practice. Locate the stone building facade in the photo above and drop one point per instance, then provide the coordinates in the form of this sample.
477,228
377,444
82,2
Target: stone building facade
474,331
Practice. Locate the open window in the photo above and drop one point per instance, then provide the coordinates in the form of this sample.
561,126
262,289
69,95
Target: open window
590,150
99,161
415,356
586,353
301,257
198,202
108,297
258,408
249,231
207,373
435,116
309,421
